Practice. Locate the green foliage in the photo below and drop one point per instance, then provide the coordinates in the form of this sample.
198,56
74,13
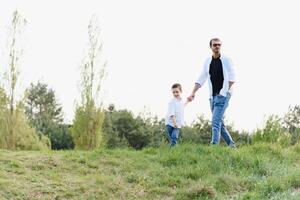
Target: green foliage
41,106
295,136
15,131
16,134
89,115
15,29
60,137
272,131
291,123
198,132
121,129
87,127
145,132
112,136
45,115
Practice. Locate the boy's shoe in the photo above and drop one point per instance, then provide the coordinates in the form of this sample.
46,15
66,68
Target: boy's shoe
172,145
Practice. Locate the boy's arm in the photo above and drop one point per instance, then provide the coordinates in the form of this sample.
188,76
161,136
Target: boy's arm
171,113
174,121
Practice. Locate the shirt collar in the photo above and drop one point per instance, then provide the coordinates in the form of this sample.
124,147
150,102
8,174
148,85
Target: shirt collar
177,99
212,57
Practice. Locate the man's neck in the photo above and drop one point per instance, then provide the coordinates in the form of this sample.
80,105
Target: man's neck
216,55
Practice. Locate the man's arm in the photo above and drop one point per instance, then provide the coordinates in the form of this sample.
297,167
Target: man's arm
231,73
196,88
200,82
230,84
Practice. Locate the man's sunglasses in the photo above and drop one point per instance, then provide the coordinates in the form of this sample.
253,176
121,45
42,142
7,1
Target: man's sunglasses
216,45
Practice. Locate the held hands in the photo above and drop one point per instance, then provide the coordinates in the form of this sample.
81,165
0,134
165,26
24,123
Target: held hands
191,98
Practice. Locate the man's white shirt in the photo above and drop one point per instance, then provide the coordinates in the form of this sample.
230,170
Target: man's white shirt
228,73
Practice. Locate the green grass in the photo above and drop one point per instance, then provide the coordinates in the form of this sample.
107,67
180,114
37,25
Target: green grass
187,171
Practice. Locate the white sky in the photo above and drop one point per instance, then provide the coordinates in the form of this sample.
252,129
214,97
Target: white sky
149,45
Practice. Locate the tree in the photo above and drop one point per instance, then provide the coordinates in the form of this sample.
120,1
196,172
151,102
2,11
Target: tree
114,131
89,115
15,130
41,106
122,128
45,115
272,132
199,132
15,51
60,137
291,123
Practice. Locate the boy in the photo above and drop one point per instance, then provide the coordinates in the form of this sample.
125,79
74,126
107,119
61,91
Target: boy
174,119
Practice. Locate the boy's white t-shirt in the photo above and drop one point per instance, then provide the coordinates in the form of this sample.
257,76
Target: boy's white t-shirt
175,108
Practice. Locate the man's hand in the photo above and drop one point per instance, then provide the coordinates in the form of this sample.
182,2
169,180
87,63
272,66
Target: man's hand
191,98
175,125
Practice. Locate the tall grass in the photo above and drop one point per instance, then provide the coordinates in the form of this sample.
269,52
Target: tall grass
187,171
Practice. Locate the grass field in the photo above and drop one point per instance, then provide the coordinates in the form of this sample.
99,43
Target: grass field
186,172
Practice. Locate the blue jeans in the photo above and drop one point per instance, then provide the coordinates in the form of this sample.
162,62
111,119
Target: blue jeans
218,105
173,134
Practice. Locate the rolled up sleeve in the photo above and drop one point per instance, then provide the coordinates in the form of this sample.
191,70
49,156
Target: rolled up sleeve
231,71
203,76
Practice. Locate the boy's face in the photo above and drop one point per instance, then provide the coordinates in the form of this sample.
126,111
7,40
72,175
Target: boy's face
176,92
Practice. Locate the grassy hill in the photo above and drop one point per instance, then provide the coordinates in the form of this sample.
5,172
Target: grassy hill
186,172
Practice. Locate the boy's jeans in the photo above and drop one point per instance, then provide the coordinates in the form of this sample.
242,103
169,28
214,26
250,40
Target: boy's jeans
218,105
173,134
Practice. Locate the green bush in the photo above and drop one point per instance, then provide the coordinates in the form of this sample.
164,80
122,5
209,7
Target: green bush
291,123
122,129
87,127
199,132
61,138
272,132
16,134
45,115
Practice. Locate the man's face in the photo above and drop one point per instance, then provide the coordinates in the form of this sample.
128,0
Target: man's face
216,46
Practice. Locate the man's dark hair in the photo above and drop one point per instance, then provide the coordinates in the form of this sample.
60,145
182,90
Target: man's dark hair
177,85
213,39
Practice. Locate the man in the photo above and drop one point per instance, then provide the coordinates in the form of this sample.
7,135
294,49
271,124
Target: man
219,70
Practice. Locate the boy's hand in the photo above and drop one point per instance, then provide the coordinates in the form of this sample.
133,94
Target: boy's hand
175,125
